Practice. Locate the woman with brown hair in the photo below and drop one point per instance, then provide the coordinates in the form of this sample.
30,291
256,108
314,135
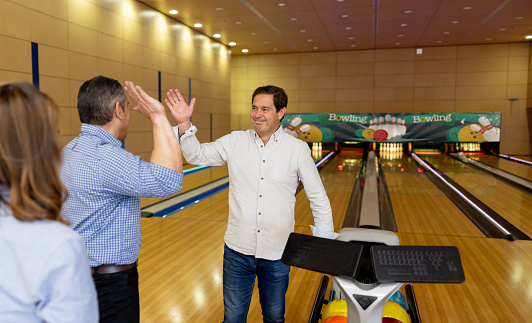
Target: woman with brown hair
44,275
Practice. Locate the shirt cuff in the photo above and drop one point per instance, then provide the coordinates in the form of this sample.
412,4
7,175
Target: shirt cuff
323,234
190,130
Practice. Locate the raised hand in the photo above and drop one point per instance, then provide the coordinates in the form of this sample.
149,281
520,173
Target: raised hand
179,107
146,105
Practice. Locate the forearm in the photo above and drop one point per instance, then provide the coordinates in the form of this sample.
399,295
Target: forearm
166,151
184,126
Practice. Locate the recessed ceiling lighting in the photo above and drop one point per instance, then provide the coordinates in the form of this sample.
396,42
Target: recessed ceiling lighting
467,8
198,25
216,35
439,41
345,16
232,43
302,31
456,21
397,44
281,4
407,11
340,0
238,22
528,37
353,45
502,29
253,34
348,28
446,32
400,35
245,50
265,42
404,25
309,40
219,9
315,47
275,49
351,38
293,19
518,18
489,38
173,12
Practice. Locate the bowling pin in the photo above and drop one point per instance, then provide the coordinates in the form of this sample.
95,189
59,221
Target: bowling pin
371,126
489,136
398,127
489,128
388,127
393,129
301,129
294,123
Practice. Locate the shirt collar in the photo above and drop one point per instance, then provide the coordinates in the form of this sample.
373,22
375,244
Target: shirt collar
275,136
100,133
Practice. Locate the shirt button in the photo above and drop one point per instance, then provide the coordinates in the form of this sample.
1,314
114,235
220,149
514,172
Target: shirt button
263,161
260,195
262,178
191,130
260,213
261,146
258,231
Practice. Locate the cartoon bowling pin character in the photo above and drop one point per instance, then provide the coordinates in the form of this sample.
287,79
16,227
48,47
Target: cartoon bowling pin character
489,136
293,124
489,128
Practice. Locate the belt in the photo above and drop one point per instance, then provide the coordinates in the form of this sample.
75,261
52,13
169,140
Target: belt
111,269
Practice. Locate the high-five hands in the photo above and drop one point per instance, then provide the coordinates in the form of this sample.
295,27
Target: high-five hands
146,105
179,107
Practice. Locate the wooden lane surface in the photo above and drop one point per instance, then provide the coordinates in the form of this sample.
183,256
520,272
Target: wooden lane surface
518,169
191,182
421,207
180,262
498,286
512,204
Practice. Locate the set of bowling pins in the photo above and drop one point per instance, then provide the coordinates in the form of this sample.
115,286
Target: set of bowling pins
491,133
291,128
391,154
316,150
390,147
468,146
394,127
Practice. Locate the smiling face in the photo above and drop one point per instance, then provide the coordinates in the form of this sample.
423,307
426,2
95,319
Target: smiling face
264,117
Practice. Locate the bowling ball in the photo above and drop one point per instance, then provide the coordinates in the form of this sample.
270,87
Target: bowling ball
326,134
452,134
390,320
380,135
311,135
338,307
399,298
396,311
359,133
336,319
467,134
368,133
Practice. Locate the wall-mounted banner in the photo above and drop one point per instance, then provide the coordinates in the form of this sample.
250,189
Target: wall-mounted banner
394,127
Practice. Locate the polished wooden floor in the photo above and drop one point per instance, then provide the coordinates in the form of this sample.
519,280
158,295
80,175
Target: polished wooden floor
180,263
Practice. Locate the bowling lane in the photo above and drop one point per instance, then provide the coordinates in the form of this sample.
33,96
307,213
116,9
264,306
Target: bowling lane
418,205
338,184
512,204
518,169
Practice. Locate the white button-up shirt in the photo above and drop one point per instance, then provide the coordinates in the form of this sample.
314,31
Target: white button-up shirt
262,183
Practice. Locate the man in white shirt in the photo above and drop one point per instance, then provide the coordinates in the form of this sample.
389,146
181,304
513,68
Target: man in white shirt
265,166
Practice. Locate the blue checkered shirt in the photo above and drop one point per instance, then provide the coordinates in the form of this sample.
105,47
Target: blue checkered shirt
105,184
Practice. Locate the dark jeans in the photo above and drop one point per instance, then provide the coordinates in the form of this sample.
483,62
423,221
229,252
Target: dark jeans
238,282
118,296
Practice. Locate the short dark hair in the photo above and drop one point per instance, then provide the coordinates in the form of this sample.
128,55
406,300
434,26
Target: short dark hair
97,98
280,99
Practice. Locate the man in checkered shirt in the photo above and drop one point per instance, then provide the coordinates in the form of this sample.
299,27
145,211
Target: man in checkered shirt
105,184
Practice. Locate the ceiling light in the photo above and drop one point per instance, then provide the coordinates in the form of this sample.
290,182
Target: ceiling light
275,49
173,12
216,35
340,0
397,44
419,51
404,25
281,4
400,35
446,32
345,16
315,47
528,37
309,40
302,31
245,50
232,43
253,34
456,21
265,42
502,29
238,22
348,28
518,18
467,8
219,9
293,19
407,11
198,25
353,45
351,38
489,38
439,42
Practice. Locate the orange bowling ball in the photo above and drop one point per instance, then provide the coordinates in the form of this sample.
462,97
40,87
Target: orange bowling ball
336,319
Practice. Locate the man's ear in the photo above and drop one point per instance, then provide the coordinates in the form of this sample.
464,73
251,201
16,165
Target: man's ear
281,113
118,112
